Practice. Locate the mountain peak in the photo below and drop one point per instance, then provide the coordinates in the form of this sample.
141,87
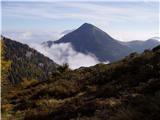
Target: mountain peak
87,26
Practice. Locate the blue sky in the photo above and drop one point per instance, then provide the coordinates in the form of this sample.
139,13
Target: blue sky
122,20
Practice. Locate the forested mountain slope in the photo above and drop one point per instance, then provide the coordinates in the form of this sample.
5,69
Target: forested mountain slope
25,62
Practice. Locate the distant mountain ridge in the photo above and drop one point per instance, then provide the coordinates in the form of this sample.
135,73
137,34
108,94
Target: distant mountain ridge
140,46
90,39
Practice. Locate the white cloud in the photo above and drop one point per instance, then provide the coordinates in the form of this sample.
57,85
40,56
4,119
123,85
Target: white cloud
64,53
66,32
88,11
128,35
33,37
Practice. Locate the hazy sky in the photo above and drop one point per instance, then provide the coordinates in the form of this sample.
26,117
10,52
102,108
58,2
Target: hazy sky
122,20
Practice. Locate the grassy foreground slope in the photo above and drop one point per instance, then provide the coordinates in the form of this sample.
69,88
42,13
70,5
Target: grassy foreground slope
124,90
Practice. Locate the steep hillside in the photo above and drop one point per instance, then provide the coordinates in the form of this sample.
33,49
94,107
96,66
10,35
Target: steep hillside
26,63
124,90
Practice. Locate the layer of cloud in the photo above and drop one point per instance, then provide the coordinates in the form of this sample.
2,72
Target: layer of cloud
64,53
33,37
